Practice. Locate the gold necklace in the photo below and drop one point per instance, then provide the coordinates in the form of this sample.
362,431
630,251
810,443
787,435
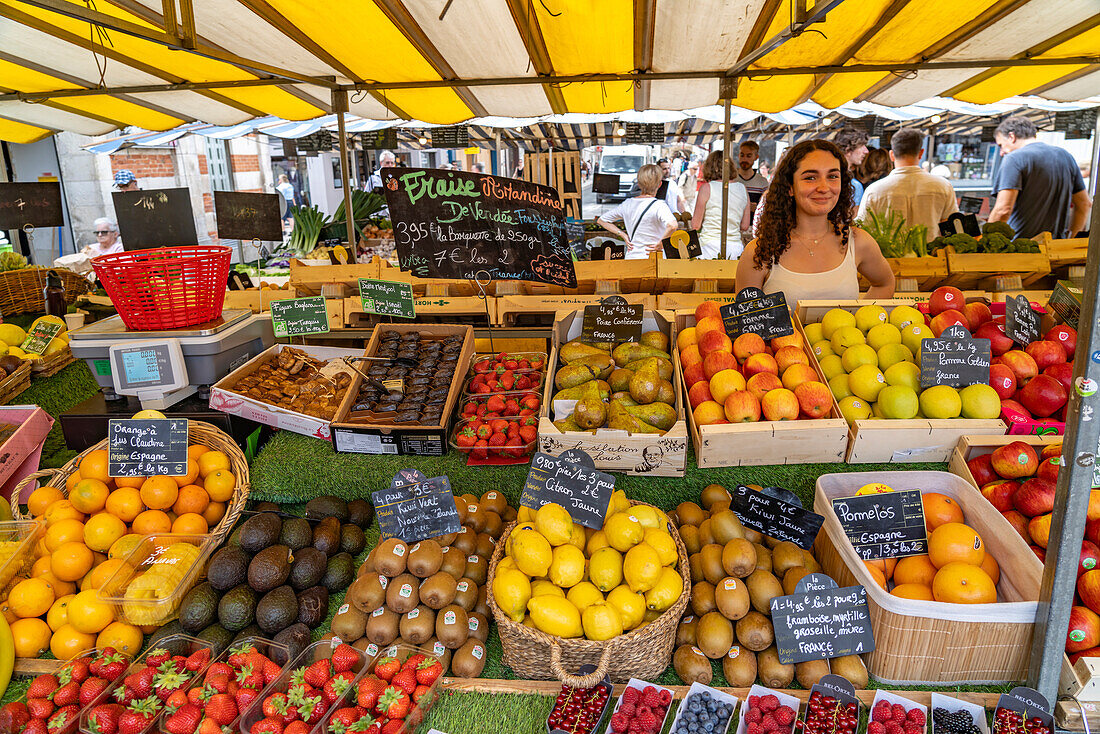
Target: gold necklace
804,239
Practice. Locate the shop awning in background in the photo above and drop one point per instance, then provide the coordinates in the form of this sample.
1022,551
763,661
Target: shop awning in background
446,62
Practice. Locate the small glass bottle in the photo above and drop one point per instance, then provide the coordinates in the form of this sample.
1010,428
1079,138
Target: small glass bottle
54,295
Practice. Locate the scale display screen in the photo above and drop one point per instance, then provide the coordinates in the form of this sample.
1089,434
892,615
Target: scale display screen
143,366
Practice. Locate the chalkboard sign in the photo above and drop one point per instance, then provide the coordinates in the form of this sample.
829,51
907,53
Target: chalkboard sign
580,489
1076,124
1021,321
40,336
455,136
682,244
644,133
821,624
453,224
574,232
37,204
612,320
155,218
885,525
608,249
955,359
961,223
247,216
387,297
989,133
754,312
379,139
772,516
414,512
318,142
970,204
605,183
1028,702
147,448
296,316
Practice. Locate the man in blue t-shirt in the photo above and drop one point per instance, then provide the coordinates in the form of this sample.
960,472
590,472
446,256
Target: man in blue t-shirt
1036,184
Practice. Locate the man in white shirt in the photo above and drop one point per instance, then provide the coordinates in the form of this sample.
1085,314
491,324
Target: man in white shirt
669,190
754,181
920,197
386,160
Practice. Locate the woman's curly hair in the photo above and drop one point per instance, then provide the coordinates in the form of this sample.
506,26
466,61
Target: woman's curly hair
779,216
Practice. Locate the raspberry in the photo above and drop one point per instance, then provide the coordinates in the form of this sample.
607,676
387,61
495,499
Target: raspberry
893,727
882,712
769,702
754,702
916,716
784,715
651,696
631,695
754,728
627,709
769,723
635,727
666,698
659,712
619,723
912,727
753,716
897,711
876,727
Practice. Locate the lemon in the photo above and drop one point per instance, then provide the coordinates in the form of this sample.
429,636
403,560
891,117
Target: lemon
555,524
18,352
516,529
149,414
556,616
605,569
601,622
583,595
525,514
623,531
578,538
532,552
631,606
507,562
666,591
511,591
567,566
617,503
12,335
647,516
542,587
596,541
663,543
641,567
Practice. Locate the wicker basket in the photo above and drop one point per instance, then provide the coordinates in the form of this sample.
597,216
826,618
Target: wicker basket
21,290
197,432
51,364
644,653
15,383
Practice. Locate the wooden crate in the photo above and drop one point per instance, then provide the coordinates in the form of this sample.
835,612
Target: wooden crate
307,280
969,270
681,301
934,642
1063,253
929,271
561,171
680,276
509,307
617,450
436,307
633,276
257,299
887,441
765,442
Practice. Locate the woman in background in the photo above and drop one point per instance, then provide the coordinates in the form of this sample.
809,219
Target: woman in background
708,210
647,219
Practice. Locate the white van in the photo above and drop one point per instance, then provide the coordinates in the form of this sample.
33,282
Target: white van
624,161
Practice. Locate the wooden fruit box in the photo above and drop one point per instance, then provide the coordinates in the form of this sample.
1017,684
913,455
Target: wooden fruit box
820,440
431,306
634,276
673,301
1063,253
679,276
928,271
509,307
258,300
968,270
927,642
639,453
886,441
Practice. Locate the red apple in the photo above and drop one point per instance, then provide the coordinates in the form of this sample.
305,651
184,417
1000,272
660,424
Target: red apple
1088,587
941,321
999,342
1018,523
1064,335
981,468
707,308
1092,531
746,345
814,398
1084,629
715,362
1021,364
714,341
943,298
790,340
761,383
1034,497
1040,553
1090,556
699,393
1043,396
1048,468
788,355
1046,354
1093,512
694,373
690,354
1013,412
1038,528
1015,460
760,362
1092,652
1063,373
742,407
779,405
976,313
1000,493
1003,380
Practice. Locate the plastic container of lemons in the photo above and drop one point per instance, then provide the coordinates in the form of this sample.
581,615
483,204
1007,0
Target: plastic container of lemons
17,541
149,586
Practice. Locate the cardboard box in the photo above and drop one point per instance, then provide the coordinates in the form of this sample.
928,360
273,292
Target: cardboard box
396,438
224,399
1065,300
20,454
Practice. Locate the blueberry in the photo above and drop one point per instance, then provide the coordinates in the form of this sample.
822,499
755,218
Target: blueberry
708,726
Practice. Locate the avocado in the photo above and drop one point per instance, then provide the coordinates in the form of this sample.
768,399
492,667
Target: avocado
277,610
296,637
361,513
267,507
308,568
172,628
326,536
296,533
218,636
319,508
260,531
251,630
352,539
313,606
269,568
199,608
235,536
237,608
339,573
227,568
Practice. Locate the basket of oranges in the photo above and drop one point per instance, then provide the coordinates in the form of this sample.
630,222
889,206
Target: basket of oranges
91,523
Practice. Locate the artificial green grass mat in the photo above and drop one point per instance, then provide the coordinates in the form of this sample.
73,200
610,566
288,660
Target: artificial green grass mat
56,395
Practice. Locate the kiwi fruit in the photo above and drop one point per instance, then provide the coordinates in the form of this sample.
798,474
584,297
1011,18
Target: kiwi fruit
771,672
482,604
402,594
706,535
685,630
349,623
438,590
510,515
475,517
494,525
785,556
382,626
726,526
452,626
714,635
763,587
390,557
763,557
465,594
493,501
792,577
425,558
739,558
809,673
460,505
739,667
754,536
719,507
703,598
713,493
368,592
454,561
692,665
477,569
690,535
365,646
485,545
731,597
478,625
711,562
754,631
441,653
368,562
417,625
469,660
852,668
690,513
695,567
445,540
466,540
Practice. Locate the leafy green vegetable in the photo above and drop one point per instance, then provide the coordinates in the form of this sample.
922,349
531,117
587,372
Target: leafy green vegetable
893,237
307,228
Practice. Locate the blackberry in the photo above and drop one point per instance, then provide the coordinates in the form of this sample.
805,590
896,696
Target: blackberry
953,722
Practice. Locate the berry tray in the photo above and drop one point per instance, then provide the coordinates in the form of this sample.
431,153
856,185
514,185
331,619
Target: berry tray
952,706
588,695
683,723
760,699
632,700
914,713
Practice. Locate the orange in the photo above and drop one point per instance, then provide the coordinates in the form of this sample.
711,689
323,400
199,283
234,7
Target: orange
989,565
31,598
159,493
68,641
220,485
212,461
41,566
62,510
954,542
64,531
72,480
100,573
195,450
88,614
940,509
102,530
125,503
190,524
60,588
94,466
32,637
213,513
42,498
152,521
890,564
876,574
71,561
126,638
914,570
913,591
58,616
192,474
192,498
89,495
124,545
9,615
963,583
134,482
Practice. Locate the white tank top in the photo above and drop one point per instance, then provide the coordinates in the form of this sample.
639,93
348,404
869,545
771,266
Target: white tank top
841,283
710,235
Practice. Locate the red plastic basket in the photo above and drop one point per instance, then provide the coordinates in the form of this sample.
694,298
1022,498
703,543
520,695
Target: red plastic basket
166,288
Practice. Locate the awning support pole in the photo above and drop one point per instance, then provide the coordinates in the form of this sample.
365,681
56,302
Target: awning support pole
727,163
340,108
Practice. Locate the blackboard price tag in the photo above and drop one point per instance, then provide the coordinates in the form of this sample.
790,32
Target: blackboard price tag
379,139
884,525
40,337
822,624
147,448
608,249
387,298
248,216
1021,321
583,491
413,512
605,183
37,204
961,223
772,516
454,136
644,133
155,218
955,359
682,245
612,320
296,316
1027,702
753,312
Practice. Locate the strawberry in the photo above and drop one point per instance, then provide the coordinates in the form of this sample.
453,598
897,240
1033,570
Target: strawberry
176,699
209,726
319,673
240,654
66,695
343,718
40,708
77,670
197,660
184,720
481,449
222,709
91,688
267,726
140,683
251,676
498,439
296,727
103,719
63,720
420,692
275,705
369,689
271,671
157,657
244,698
393,703
528,435
138,715
344,657
515,445
312,709
35,726
169,681
338,685
42,686
219,682
428,671
393,727
110,665
14,716
386,667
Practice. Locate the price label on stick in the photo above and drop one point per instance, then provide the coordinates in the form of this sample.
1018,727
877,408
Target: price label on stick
155,218
820,621
37,204
40,337
954,359
612,320
754,312
884,525
565,481
1021,321
772,516
296,316
413,512
146,448
387,298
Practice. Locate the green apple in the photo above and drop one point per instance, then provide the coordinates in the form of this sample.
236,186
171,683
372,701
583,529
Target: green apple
913,334
822,348
898,402
941,401
980,401
832,366
845,337
904,374
902,316
882,334
868,317
857,356
866,382
814,333
891,354
854,409
839,385
834,319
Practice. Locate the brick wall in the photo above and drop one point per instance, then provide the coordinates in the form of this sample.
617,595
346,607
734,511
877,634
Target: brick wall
144,164
245,162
